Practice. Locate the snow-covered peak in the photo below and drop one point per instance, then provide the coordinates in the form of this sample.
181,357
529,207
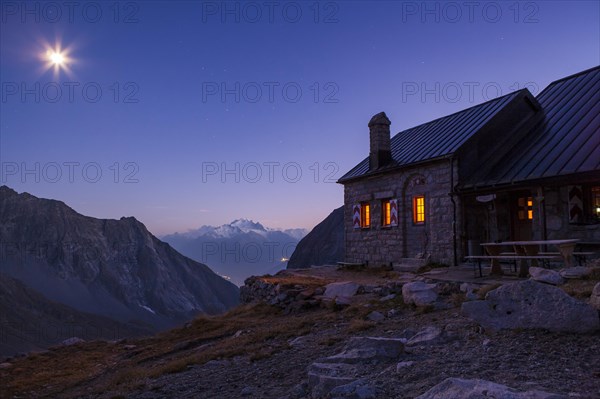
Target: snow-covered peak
239,227
247,225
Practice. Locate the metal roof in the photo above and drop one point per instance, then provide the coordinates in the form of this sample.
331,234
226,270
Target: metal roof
436,139
566,141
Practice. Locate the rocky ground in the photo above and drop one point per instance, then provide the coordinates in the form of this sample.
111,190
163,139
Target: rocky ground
303,335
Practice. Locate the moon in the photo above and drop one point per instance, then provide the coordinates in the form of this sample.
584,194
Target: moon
56,58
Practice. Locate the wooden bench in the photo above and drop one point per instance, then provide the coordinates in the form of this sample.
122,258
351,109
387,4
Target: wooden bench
512,258
581,257
351,266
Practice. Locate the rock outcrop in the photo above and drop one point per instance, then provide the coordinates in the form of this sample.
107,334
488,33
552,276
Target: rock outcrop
532,305
457,388
546,276
323,245
576,272
419,293
343,290
430,335
340,375
290,297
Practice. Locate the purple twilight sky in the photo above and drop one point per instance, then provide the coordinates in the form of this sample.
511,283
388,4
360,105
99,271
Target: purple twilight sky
184,113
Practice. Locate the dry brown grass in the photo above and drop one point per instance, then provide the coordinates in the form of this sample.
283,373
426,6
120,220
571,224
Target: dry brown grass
358,325
580,289
425,309
291,280
111,367
457,298
595,274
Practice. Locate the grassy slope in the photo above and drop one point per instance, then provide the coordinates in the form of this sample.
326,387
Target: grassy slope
255,331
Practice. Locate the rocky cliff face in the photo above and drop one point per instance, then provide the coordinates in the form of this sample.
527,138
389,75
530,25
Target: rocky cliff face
323,245
114,268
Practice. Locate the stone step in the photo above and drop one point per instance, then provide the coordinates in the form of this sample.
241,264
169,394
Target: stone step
408,264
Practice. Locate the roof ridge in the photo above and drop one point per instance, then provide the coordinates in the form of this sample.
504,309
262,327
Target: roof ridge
463,110
569,77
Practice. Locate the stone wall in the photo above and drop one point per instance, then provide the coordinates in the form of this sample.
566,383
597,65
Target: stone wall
557,218
493,221
384,245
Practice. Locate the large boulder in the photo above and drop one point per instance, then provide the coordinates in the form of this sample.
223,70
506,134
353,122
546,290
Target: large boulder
546,276
345,289
457,388
340,374
361,349
576,272
532,305
419,293
323,377
428,336
595,298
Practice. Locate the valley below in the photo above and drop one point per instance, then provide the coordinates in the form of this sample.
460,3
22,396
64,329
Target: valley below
320,333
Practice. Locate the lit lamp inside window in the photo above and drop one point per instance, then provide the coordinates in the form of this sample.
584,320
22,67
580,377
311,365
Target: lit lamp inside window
419,209
525,211
365,215
387,212
596,200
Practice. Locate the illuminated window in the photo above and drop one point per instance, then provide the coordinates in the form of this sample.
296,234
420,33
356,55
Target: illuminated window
386,213
596,201
525,205
419,209
365,215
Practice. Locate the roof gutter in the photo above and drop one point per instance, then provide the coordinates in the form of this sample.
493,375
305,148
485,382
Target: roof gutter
343,180
580,177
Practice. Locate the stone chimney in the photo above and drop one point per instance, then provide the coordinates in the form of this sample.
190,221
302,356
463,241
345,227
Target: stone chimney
379,132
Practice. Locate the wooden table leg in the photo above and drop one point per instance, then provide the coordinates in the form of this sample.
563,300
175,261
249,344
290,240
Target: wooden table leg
566,250
532,250
495,263
523,266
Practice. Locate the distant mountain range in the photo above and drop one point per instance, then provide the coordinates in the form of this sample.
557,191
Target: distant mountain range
323,245
239,249
111,268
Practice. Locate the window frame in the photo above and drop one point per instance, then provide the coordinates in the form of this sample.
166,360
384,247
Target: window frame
415,208
525,208
365,215
386,213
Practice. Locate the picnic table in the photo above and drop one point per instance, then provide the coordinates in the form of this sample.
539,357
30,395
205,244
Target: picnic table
529,250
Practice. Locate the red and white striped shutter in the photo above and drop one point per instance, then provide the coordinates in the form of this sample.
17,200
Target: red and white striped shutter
356,216
575,204
394,212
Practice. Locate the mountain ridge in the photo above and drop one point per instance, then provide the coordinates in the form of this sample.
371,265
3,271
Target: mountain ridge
239,249
114,268
323,245
241,225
